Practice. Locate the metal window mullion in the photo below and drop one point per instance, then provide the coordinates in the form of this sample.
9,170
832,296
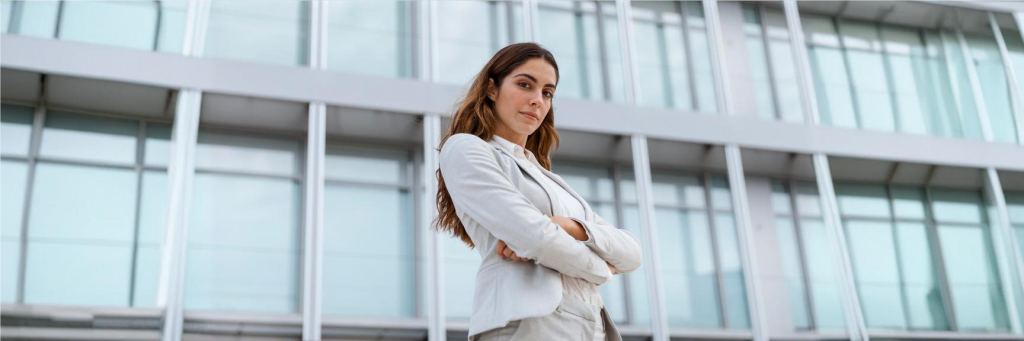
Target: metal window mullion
932,229
768,59
313,231
627,47
889,81
156,25
802,60
318,35
620,221
196,21
1008,252
602,46
896,245
979,99
648,225
748,248
1011,79
140,157
171,291
666,82
950,74
38,119
802,254
719,68
688,52
855,324
14,25
60,18
854,96
436,330
723,311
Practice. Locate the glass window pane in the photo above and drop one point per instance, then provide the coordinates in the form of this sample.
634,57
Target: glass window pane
784,70
591,183
808,203
974,281
862,200
780,198
662,58
371,37
243,247
789,249
15,129
89,138
470,32
79,250
226,152
994,87
721,197
908,203
923,298
824,277
574,37
367,165
957,206
1014,204
122,24
152,219
5,11
689,275
460,266
832,86
875,265
34,18
732,271
968,118
158,144
639,300
370,231
271,32
676,190
13,175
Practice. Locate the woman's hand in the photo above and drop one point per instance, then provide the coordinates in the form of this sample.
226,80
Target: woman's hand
571,227
506,253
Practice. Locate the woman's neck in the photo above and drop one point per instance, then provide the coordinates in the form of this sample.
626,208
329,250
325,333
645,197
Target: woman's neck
511,136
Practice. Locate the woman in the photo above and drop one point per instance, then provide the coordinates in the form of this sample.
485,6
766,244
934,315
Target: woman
544,250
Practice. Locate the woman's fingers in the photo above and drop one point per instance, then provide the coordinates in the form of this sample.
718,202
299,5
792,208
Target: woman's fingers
501,249
505,252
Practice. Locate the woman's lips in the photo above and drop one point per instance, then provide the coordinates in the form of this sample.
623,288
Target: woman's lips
530,115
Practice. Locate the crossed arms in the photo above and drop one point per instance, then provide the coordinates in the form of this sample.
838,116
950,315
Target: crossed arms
483,193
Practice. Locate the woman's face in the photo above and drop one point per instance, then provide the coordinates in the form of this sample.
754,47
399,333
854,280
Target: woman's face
523,99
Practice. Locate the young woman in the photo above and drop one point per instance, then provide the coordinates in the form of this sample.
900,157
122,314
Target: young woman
544,250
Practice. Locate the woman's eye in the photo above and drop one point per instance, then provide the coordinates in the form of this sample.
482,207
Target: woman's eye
524,84
548,94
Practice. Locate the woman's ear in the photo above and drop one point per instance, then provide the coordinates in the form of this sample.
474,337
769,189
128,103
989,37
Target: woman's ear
492,90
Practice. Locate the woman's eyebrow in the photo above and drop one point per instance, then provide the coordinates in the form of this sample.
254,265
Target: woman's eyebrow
549,85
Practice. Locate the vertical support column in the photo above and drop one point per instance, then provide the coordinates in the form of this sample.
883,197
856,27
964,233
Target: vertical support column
313,230
628,51
313,224
830,209
181,168
435,249
979,98
1006,249
718,65
1016,101
437,329
741,210
645,200
171,292
530,20
803,66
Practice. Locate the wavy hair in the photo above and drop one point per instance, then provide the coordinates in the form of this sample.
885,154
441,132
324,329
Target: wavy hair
475,115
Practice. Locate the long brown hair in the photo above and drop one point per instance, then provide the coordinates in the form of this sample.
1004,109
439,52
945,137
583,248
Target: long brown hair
476,116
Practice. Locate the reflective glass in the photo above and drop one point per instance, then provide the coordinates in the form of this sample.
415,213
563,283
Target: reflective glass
908,203
152,219
732,271
661,58
876,269
676,190
687,262
243,244
783,67
824,278
13,175
789,249
369,231
367,165
994,87
471,32
1014,205
923,297
973,279
639,300
154,25
157,144
1015,48
33,18
79,246
962,93
371,37
270,32
5,11
89,138
587,49
591,183
957,206
229,152
460,266
721,198
862,200
780,198
15,129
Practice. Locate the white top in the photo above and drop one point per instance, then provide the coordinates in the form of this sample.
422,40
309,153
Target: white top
573,286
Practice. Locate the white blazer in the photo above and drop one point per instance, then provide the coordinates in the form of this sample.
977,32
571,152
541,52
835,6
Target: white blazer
496,198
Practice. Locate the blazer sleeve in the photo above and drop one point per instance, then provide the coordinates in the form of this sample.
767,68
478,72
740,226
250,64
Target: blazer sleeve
616,246
482,191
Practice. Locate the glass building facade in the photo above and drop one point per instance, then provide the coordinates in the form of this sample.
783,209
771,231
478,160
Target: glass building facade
264,170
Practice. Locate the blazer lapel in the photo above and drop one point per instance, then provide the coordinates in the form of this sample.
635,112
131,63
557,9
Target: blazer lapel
587,212
531,171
